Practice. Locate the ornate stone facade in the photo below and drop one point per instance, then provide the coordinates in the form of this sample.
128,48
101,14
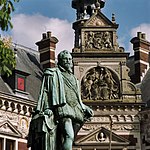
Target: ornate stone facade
100,65
15,116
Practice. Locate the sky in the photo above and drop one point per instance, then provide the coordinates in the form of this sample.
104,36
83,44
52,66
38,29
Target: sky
34,17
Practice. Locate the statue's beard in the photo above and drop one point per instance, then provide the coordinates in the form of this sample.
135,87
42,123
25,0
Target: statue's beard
67,66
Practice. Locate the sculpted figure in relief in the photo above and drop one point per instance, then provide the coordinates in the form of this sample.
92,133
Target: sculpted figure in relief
99,84
98,40
107,42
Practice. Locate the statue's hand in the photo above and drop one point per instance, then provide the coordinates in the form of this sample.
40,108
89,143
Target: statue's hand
88,112
48,112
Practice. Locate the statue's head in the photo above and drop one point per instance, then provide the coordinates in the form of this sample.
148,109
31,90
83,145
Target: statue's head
65,60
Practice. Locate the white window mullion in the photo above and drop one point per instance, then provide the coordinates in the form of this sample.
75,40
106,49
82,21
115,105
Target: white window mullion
4,144
16,145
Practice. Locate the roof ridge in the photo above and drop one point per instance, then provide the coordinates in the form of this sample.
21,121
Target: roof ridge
15,45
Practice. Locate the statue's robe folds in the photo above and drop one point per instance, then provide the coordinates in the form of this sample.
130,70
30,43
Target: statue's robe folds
59,97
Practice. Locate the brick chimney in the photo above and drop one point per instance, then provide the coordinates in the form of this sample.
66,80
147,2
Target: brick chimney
141,49
46,48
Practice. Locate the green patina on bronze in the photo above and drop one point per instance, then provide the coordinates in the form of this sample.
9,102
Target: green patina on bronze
60,112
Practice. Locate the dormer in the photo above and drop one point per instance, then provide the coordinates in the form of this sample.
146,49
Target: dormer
17,82
20,81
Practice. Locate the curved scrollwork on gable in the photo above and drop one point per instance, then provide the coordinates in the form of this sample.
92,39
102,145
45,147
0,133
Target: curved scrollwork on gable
100,83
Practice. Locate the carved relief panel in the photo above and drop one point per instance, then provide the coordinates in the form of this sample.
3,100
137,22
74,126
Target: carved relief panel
98,40
100,83
12,123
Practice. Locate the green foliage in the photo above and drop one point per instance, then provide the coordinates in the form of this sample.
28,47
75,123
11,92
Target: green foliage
6,8
7,59
7,56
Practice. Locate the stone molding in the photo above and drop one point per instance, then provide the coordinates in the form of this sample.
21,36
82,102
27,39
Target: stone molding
16,105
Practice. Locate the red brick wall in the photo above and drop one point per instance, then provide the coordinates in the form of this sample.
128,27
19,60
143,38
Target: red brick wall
140,44
141,56
144,45
22,146
47,56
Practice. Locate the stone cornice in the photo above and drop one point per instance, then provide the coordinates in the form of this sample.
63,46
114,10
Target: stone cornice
16,104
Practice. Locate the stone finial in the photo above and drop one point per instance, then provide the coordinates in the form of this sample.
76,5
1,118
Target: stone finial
98,6
113,18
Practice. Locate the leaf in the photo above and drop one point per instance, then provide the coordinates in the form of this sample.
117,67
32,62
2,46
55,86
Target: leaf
7,8
11,6
7,60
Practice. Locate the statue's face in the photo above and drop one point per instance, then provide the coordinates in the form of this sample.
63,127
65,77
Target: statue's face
66,61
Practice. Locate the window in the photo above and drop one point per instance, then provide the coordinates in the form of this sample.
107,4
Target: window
1,143
7,144
21,83
10,144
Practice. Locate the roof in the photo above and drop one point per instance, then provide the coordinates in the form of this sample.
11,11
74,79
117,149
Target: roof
130,64
27,61
4,86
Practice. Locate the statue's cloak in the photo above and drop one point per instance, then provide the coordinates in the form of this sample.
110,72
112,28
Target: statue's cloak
52,92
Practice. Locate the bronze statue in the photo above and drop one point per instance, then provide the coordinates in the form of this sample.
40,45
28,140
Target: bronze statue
60,112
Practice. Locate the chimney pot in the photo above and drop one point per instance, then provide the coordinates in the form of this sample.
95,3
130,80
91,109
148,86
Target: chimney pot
48,34
139,35
44,35
144,36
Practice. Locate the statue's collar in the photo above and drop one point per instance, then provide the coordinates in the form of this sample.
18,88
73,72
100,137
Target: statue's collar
64,70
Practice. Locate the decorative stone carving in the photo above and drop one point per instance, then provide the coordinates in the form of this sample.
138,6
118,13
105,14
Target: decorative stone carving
91,127
115,127
81,69
6,129
99,83
8,116
128,127
96,21
15,107
23,126
20,122
148,132
101,136
100,119
98,40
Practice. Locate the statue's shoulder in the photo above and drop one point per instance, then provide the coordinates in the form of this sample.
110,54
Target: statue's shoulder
50,71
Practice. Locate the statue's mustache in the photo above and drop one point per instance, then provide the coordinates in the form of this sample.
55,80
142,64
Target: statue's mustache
68,63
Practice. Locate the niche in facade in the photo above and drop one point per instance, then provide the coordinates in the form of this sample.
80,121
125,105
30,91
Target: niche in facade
100,83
